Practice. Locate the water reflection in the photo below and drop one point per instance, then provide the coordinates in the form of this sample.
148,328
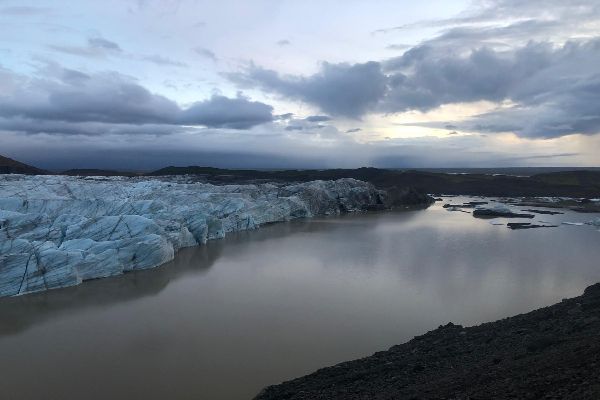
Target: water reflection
18,313
223,320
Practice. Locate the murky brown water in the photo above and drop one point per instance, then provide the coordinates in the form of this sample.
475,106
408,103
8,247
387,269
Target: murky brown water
226,319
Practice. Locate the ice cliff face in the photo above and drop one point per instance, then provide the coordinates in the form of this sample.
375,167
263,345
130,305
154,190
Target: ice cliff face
58,231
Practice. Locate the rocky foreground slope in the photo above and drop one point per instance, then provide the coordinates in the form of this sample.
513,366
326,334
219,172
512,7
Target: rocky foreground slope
550,353
58,231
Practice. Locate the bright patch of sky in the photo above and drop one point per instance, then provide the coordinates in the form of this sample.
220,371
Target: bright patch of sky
301,83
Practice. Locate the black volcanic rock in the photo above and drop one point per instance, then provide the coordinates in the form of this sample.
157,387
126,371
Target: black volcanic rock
469,204
527,225
498,212
409,196
550,353
545,212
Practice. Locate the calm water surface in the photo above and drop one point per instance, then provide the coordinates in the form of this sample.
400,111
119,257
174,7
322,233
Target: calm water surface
224,320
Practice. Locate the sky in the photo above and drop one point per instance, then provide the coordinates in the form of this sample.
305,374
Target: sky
142,84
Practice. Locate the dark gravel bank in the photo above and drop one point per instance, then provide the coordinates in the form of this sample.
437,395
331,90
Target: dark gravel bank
550,353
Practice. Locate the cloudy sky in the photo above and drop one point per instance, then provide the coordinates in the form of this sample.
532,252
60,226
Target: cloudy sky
275,83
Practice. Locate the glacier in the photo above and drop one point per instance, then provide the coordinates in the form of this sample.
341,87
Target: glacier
58,231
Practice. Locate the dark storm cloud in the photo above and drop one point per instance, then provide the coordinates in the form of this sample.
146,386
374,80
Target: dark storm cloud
348,90
74,102
423,78
223,112
33,126
555,89
107,97
536,157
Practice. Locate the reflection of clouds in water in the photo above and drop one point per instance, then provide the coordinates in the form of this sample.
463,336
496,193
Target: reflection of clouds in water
279,298
433,251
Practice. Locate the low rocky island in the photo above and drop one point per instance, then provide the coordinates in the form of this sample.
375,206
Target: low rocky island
58,231
499,210
550,353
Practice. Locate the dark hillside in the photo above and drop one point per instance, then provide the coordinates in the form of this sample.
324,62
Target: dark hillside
10,166
567,184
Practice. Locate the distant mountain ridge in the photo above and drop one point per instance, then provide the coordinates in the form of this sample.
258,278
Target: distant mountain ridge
574,183
577,183
10,166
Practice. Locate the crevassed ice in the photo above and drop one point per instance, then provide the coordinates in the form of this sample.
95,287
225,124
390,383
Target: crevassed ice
58,231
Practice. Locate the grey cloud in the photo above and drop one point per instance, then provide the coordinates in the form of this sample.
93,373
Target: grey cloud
223,112
556,89
307,128
284,42
96,47
550,105
508,36
77,50
283,117
353,130
318,118
232,149
161,60
348,90
536,157
398,46
72,97
308,125
424,79
35,126
103,44
108,98
74,77
497,11
205,53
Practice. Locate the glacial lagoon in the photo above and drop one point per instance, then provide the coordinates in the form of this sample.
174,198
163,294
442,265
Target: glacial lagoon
225,319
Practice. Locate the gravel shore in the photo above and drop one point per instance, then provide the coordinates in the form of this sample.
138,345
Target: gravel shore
550,353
